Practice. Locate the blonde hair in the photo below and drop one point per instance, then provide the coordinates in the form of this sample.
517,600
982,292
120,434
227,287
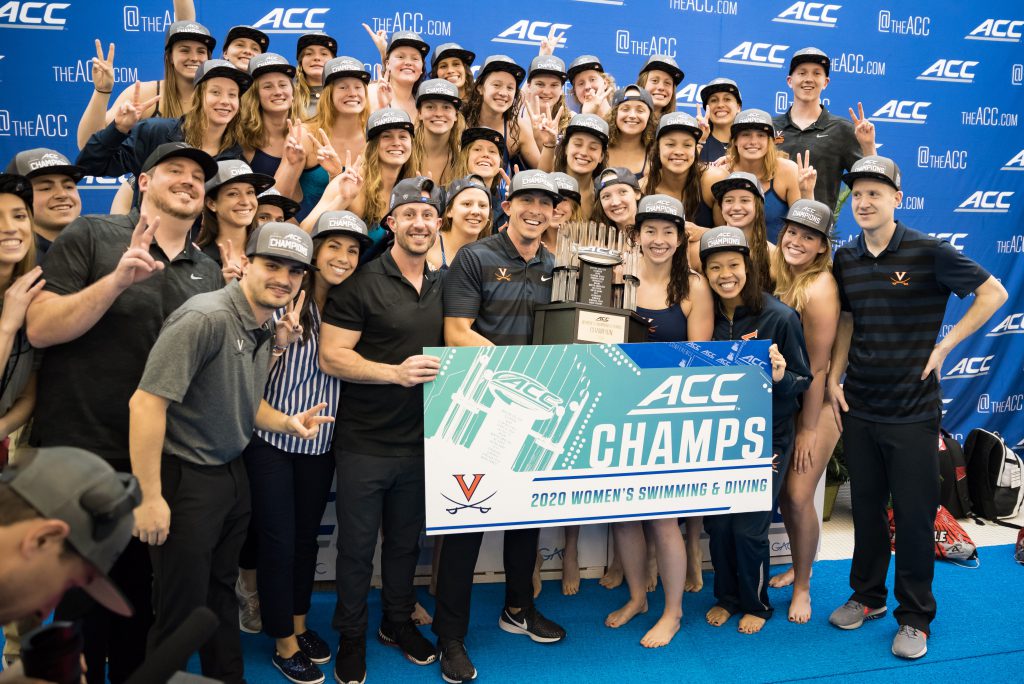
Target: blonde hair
196,123
375,201
792,288
170,94
253,130
462,168
419,153
770,163
614,134
326,114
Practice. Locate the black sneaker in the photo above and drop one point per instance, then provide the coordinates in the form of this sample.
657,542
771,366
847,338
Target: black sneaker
298,669
405,636
531,623
350,665
456,667
315,648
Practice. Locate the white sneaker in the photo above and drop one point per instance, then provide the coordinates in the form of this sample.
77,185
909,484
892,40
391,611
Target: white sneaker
248,610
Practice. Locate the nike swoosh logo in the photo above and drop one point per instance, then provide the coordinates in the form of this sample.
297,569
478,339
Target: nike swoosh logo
521,625
195,277
544,280
822,135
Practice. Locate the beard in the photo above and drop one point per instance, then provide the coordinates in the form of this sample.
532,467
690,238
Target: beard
175,210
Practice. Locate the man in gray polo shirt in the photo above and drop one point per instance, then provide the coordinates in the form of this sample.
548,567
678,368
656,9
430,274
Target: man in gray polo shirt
191,418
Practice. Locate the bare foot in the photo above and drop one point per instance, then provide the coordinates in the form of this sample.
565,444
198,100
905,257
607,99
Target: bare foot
800,606
570,574
626,613
537,586
420,615
652,571
717,616
694,578
750,624
613,575
783,579
661,633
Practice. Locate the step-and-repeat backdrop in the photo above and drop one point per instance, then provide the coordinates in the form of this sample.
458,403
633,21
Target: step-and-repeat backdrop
943,83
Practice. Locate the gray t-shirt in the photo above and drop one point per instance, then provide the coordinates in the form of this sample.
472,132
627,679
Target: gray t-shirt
211,361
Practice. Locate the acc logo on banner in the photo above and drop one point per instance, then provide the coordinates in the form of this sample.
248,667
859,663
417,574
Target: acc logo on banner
809,14
999,30
749,53
902,111
293,20
970,367
526,32
33,15
986,202
949,71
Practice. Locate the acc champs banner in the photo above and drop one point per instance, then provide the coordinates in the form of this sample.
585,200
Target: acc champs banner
571,434
943,83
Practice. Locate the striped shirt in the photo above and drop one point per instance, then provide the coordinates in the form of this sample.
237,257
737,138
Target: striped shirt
898,300
296,383
490,282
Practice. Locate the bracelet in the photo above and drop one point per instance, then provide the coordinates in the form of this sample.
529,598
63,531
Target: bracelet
103,92
278,350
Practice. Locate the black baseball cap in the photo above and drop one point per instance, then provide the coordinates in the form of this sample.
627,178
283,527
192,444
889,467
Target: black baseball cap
679,121
465,183
568,186
281,241
315,38
660,207
811,214
737,180
875,167
438,89
633,92
753,120
222,68
410,38
342,223
470,135
810,55
341,67
387,119
273,196
181,149
614,175
533,180
583,63
588,123
720,85
270,62
188,30
237,171
250,32
547,64
723,239
664,63
445,50
14,184
410,191
42,161
97,503
501,63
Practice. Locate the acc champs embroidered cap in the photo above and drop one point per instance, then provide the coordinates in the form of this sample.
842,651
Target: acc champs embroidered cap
737,180
42,161
281,241
660,207
810,214
723,239
342,223
534,181
876,167
411,191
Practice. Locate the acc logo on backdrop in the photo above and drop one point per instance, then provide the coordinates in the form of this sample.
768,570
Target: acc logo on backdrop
949,71
809,14
756,54
33,15
999,30
986,202
292,20
526,32
970,367
1011,325
902,111
1016,163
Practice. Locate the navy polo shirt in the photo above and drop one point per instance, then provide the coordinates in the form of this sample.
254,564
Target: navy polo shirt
490,282
898,300
833,146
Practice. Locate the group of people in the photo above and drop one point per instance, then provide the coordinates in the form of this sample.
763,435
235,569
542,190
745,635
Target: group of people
293,235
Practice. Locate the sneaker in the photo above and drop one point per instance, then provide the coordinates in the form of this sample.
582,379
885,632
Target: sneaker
315,648
248,609
852,614
406,637
909,643
456,667
531,623
298,669
350,665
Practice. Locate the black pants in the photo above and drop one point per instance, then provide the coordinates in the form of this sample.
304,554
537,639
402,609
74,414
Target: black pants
377,493
740,550
115,646
289,492
198,564
455,569
901,460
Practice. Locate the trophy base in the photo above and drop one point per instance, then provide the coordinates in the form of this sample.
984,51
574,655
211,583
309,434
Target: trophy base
572,323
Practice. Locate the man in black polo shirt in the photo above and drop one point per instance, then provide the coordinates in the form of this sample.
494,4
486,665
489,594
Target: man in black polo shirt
894,283
110,283
376,324
492,288
191,417
833,142
55,199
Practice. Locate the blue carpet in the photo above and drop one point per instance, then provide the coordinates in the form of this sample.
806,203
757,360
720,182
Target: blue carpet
978,636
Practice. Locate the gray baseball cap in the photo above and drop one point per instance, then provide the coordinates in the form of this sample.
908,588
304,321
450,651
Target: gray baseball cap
171,150
438,89
343,66
567,186
445,50
272,196
615,175
588,123
723,239
96,502
664,63
42,161
189,30
410,191
660,207
737,180
315,38
501,63
720,85
222,68
465,183
633,92
470,135
583,63
875,167
534,181
387,119
237,171
342,223
547,64
250,32
753,120
281,241
679,121
811,214
410,38
14,184
810,55
269,62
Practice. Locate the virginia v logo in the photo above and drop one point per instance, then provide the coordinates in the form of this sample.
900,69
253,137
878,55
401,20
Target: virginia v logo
900,279
240,344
